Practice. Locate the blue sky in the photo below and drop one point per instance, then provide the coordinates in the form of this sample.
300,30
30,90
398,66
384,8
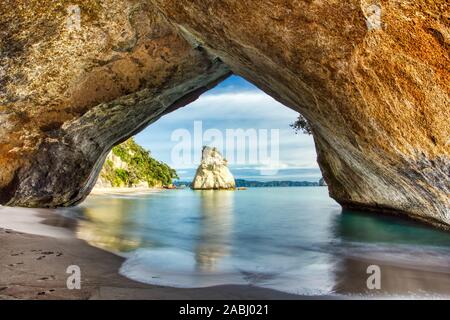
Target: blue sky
234,104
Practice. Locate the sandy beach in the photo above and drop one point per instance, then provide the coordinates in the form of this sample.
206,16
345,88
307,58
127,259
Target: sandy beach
111,191
37,246
34,267
35,256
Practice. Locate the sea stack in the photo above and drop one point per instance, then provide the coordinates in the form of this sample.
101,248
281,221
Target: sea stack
213,172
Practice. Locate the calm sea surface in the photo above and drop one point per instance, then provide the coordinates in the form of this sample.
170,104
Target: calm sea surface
296,240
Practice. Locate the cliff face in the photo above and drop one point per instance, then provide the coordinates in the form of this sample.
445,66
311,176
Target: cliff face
371,78
213,172
70,90
129,165
113,173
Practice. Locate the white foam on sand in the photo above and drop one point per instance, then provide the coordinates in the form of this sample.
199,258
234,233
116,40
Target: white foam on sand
26,220
180,269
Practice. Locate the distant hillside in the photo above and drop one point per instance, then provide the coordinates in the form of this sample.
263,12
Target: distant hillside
130,165
259,184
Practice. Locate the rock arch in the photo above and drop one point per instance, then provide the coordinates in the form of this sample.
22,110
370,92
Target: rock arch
374,89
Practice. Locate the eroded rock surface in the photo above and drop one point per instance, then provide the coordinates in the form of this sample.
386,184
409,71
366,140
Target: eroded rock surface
371,77
69,92
213,172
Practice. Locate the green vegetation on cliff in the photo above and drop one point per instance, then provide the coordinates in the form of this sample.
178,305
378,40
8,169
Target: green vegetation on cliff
137,167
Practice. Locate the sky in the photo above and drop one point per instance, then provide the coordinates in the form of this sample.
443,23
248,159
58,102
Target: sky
266,148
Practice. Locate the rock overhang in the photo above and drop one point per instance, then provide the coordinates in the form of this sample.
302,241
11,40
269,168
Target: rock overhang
373,88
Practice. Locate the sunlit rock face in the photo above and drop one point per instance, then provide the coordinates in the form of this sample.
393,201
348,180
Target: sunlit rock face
72,88
371,77
213,172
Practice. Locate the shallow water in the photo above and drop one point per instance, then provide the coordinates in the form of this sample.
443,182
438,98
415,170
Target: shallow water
296,240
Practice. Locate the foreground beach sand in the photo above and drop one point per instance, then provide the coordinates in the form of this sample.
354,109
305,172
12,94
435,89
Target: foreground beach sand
37,246
34,267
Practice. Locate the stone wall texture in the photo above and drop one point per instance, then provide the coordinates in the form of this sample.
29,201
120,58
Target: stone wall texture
371,78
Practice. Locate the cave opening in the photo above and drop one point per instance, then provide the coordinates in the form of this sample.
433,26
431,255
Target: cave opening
78,80
249,128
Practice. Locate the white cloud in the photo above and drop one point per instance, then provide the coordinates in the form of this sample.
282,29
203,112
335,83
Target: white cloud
249,105
232,110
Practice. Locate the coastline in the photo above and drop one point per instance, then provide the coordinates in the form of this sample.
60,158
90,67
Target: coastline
125,190
34,267
38,245
35,258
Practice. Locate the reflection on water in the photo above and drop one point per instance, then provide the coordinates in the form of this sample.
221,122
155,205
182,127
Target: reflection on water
370,228
291,239
414,259
105,223
215,228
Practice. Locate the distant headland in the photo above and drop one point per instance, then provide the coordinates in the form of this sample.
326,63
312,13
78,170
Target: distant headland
241,183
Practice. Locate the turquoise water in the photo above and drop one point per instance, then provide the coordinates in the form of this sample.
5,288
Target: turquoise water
296,240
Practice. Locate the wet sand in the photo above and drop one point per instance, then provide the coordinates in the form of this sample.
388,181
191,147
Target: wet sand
35,255
34,267
38,245
397,281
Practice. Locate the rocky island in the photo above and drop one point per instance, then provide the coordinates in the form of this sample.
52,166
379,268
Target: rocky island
213,172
